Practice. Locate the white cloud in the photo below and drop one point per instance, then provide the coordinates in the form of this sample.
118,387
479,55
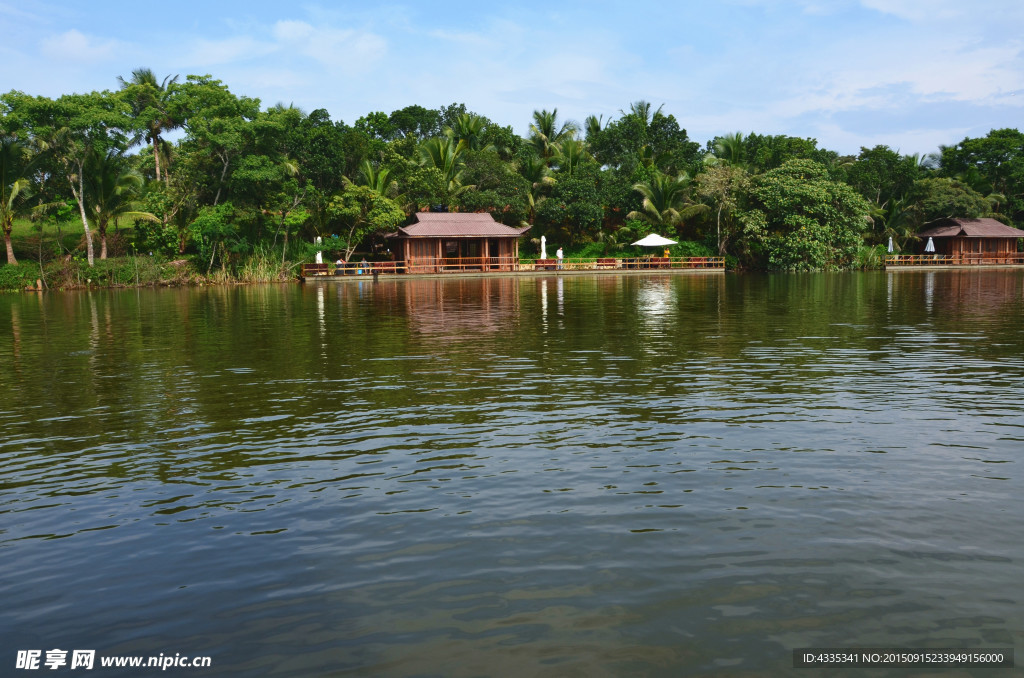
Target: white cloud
292,31
19,13
77,47
921,10
347,50
906,141
204,53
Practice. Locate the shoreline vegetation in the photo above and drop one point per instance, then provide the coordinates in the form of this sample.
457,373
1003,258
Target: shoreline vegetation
171,181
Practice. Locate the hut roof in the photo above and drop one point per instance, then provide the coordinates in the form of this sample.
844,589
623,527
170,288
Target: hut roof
457,225
970,228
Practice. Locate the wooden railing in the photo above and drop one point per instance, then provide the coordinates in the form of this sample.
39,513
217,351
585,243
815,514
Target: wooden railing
993,259
459,264
626,263
510,264
352,268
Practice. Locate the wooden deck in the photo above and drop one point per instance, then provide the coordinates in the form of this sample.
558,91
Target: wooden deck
492,265
948,260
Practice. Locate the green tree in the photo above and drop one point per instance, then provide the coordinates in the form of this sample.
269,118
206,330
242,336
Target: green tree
376,125
573,213
992,165
445,155
377,179
801,220
942,197
644,136
569,154
725,187
219,128
73,127
469,131
546,133
880,174
214,226
666,201
766,152
729,150
537,174
416,121
151,107
15,186
112,189
500,190
360,212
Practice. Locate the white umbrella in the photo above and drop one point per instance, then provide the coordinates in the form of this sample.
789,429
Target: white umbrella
930,246
890,245
543,247
654,241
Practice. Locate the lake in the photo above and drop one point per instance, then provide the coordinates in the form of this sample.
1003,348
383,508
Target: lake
655,475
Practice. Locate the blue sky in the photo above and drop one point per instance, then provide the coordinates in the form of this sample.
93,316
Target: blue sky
912,74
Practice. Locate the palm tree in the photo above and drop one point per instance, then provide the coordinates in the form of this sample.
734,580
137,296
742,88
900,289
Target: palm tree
445,154
150,101
469,129
545,132
641,110
593,125
924,163
15,168
899,221
568,154
113,188
377,180
730,149
536,171
666,201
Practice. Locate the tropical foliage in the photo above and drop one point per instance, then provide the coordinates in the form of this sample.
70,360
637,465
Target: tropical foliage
188,169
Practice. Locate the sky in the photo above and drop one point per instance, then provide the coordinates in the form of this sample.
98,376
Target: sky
910,74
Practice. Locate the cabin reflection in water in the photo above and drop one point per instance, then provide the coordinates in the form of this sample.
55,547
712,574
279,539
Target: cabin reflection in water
460,307
958,292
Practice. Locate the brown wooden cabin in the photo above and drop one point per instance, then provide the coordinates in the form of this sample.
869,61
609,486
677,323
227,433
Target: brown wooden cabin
973,240
437,242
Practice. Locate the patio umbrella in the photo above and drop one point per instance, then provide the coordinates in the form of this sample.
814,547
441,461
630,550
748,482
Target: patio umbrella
930,246
654,241
890,245
543,247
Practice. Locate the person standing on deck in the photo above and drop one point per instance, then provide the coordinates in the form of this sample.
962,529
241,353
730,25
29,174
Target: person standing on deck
558,255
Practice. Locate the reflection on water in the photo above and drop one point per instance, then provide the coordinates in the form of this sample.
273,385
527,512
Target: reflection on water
616,475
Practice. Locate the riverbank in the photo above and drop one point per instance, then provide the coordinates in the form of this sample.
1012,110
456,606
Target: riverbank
132,271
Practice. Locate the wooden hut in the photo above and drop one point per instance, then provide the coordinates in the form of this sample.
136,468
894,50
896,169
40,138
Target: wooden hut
982,241
451,241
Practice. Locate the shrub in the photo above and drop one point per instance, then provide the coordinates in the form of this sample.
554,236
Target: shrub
17,277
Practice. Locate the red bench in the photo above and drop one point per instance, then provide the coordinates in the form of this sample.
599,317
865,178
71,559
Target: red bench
384,267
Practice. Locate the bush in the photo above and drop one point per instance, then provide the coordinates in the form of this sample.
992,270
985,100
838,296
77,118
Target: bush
689,248
17,277
121,272
591,250
869,257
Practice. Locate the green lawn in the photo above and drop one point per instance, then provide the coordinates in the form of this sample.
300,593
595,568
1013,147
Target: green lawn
24,228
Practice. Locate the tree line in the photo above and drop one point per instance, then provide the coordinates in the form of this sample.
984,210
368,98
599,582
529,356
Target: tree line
202,173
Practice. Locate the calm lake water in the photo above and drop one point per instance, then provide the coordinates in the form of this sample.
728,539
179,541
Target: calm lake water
563,476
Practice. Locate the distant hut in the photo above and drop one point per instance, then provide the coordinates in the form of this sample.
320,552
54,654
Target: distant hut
984,241
453,241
